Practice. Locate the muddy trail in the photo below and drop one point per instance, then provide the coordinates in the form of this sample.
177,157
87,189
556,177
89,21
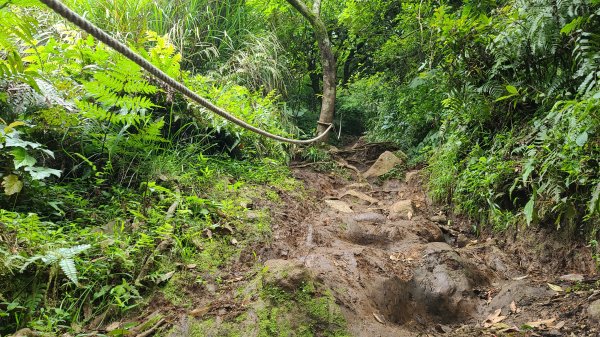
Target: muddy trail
399,266
364,252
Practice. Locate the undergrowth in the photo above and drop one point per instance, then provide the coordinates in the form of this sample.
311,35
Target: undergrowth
111,182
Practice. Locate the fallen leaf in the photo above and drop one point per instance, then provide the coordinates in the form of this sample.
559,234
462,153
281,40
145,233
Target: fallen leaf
555,287
443,328
409,215
544,322
493,318
360,195
572,277
379,318
113,326
560,325
234,241
395,257
520,278
191,266
513,307
510,329
199,312
339,206
500,326
236,279
165,277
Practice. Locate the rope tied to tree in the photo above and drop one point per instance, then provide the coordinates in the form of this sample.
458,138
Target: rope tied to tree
64,11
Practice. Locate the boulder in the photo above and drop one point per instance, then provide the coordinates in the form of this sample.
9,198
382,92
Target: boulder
429,231
384,164
285,274
594,311
402,209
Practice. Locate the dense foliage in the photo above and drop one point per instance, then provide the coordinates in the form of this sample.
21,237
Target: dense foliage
501,98
110,181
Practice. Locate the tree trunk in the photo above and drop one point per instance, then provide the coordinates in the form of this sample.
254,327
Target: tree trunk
327,60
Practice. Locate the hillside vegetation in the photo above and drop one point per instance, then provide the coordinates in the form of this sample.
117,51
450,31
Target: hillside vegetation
110,180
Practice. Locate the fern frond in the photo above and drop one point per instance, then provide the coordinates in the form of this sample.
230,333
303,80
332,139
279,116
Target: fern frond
68,267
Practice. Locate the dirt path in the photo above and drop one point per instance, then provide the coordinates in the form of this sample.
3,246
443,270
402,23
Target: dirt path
398,267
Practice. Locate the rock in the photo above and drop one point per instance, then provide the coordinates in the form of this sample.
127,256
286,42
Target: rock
384,164
572,277
594,311
360,187
392,185
521,292
286,274
429,231
443,328
369,217
461,240
402,209
361,196
441,289
339,206
439,218
250,215
410,176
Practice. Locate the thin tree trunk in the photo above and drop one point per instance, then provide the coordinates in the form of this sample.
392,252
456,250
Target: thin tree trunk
327,60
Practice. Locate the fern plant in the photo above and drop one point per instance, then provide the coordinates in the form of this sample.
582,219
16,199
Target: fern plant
63,257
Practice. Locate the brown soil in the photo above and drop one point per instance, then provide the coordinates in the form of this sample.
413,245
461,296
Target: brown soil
417,273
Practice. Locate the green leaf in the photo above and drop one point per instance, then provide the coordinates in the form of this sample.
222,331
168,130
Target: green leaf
68,267
12,184
569,27
39,173
582,138
71,252
12,126
594,203
22,158
12,141
528,210
511,89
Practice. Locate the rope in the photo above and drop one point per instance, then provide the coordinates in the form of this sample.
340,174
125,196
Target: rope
102,36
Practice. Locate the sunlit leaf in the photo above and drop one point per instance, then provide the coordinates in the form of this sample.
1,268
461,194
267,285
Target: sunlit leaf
12,184
22,158
528,210
40,173
582,138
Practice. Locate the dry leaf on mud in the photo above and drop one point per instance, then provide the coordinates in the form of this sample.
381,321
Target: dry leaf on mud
560,325
504,328
493,318
520,278
513,308
199,312
113,326
544,322
379,318
395,258
339,206
360,195
554,287
409,215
